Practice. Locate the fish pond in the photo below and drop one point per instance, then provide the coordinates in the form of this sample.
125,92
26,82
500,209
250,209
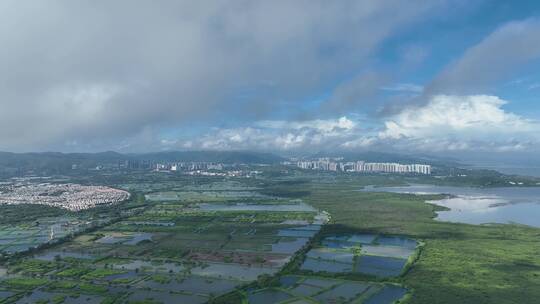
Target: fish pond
309,289
376,255
299,207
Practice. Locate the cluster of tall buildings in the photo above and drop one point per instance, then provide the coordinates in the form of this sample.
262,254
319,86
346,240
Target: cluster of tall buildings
327,164
188,166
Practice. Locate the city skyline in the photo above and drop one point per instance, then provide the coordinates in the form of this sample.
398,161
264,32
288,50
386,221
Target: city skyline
362,166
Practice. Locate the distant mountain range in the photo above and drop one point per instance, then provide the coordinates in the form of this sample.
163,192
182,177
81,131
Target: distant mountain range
56,162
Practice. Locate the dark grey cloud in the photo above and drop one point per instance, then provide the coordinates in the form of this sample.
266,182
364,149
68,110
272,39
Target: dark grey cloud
81,73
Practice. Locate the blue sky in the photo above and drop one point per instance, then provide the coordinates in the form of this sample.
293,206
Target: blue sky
284,76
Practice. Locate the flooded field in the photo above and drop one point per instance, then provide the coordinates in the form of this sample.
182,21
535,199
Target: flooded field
268,296
171,196
300,207
53,297
318,265
377,255
149,267
20,238
232,271
165,297
182,246
289,245
388,294
307,289
52,255
380,266
125,238
189,284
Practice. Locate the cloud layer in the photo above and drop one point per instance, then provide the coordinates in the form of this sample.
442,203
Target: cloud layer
267,75
310,135
453,122
445,123
78,71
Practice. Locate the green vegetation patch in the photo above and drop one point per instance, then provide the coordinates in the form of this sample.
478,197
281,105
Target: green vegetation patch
100,274
25,283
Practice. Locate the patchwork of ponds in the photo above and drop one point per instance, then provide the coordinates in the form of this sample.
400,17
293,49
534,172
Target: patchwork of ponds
318,265
39,296
148,296
20,238
171,196
169,252
232,271
149,267
306,289
388,294
191,284
377,255
289,245
344,292
6,294
268,296
52,255
300,207
126,239
297,233
380,266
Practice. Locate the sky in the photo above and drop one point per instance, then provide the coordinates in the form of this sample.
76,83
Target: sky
435,77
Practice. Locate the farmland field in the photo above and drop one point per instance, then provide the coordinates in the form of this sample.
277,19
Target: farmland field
293,238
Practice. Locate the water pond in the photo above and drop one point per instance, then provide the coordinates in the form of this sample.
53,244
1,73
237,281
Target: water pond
343,293
387,251
388,295
128,239
51,255
326,266
267,296
319,282
297,233
38,295
5,294
288,281
192,284
300,207
146,266
287,246
380,266
232,271
305,290
166,297
336,256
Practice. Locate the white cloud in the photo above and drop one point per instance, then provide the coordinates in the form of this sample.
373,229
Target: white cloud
450,122
323,125
447,123
280,135
448,114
